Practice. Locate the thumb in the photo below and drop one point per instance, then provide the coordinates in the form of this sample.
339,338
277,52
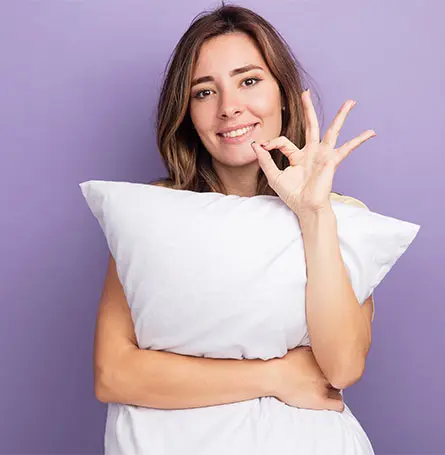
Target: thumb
266,163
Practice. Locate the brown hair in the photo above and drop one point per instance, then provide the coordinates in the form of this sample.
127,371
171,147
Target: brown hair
188,163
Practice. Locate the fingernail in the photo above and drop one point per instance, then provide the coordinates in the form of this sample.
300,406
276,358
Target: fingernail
253,142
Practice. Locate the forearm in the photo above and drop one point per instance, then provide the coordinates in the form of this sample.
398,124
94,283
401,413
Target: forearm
337,328
165,380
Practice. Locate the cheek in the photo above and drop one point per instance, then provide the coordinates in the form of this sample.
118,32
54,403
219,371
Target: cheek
202,116
267,103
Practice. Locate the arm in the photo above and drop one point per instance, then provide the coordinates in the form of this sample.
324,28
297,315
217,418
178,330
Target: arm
338,328
368,306
126,374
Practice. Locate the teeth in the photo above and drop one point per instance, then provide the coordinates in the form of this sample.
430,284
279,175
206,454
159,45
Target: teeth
237,133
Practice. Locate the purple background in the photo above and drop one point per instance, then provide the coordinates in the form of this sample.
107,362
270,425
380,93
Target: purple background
78,85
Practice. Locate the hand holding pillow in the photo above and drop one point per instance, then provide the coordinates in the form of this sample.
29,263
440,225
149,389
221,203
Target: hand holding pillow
224,276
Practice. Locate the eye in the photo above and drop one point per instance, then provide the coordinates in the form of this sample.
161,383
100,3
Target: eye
202,92
197,95
256,79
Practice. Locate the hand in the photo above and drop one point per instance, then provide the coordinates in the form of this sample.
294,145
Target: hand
299,382
306,184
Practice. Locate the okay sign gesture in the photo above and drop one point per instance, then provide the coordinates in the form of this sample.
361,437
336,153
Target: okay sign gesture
305,185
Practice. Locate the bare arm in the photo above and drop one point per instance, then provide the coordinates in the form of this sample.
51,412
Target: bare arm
338,328
126,374
129,375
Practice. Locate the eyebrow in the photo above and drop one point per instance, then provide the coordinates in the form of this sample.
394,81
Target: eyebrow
232,73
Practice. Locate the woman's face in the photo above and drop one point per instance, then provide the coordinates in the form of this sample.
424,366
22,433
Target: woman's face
230,100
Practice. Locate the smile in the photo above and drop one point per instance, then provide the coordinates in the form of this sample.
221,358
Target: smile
238,136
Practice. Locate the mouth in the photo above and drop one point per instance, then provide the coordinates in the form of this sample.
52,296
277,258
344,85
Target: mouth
244,135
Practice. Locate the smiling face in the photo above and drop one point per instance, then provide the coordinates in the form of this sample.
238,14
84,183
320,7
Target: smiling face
235,89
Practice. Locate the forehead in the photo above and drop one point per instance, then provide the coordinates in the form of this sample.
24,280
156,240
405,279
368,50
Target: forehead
226,52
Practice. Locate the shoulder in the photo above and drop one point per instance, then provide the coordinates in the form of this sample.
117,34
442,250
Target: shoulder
348,200
164,182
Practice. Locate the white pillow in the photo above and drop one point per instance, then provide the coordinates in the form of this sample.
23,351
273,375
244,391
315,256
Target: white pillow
220,276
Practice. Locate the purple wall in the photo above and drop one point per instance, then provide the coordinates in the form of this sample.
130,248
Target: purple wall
78,86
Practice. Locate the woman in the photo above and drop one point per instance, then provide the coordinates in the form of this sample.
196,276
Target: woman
232,85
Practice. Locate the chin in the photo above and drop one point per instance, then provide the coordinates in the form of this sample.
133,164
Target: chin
244,161
232,160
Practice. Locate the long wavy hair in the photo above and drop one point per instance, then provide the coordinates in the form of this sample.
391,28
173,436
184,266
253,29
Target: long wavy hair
188,163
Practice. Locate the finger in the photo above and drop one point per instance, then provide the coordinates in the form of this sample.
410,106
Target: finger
312,127
286,147
331,135
335,405
335,400
334,394
349,146
267,164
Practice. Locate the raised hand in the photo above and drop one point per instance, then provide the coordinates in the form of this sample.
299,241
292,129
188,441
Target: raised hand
306,184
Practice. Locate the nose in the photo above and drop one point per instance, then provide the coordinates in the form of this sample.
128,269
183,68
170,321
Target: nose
230,105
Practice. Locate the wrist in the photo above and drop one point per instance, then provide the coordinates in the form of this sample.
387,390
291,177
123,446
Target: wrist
271,377
311,221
